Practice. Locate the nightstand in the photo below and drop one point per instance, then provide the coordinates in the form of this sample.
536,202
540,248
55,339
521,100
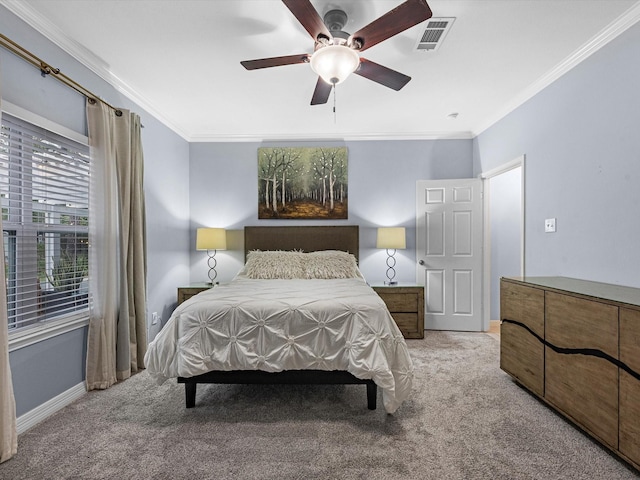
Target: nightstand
185,293
406,305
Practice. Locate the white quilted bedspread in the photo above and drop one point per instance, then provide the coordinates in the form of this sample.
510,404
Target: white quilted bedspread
275,325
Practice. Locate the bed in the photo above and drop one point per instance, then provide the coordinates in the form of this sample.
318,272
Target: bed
321,324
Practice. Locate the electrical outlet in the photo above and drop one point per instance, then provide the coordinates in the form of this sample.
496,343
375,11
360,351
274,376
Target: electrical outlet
154,318
550,225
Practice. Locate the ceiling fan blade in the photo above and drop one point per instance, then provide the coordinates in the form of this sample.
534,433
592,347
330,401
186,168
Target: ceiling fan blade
404,16
275,61
382,75
321,93
309,18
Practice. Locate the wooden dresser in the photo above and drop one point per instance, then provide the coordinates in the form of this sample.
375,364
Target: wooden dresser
406,305
576,345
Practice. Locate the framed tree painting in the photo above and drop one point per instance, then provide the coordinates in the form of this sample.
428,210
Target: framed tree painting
302,183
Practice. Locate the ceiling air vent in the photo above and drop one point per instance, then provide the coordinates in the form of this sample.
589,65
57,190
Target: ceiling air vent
432,36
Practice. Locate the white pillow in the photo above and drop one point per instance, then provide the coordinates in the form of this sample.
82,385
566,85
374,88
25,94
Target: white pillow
330,264
275,264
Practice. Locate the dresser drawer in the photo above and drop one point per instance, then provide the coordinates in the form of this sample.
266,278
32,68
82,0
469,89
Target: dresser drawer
400,302
521,352
586,389
524,305
408,324
522,356
573,322
630,385
185,293
630,338
406,305
629,416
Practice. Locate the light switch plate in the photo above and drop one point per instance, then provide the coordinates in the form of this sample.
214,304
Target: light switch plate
550,225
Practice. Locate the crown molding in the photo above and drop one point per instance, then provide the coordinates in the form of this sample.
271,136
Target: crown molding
454,135
613,30
49,30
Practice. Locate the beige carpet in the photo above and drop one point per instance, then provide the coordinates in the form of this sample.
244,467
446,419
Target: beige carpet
465,420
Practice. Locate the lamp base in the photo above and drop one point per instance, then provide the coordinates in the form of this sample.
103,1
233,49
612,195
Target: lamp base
391,262
212,262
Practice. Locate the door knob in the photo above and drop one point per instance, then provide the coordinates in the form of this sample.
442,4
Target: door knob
421,262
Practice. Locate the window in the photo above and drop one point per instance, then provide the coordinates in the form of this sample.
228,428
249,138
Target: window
44,191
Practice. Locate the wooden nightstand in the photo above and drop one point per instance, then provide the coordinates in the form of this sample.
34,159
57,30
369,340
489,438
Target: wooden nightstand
185,293
406,305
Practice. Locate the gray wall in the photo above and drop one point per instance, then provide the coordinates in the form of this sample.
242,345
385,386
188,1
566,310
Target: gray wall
382,185
43,371
48,368
580,137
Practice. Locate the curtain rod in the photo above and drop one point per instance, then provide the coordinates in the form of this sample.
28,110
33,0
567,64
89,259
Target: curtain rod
46,69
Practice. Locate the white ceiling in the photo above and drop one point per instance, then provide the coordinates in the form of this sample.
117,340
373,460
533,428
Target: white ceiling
180,60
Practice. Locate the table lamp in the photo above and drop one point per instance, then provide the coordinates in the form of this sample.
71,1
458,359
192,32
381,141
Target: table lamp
211,239
391,238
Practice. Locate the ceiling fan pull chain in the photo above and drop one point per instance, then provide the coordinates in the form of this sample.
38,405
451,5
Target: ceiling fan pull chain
334,103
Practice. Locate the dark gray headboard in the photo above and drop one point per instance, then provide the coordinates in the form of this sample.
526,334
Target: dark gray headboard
305,238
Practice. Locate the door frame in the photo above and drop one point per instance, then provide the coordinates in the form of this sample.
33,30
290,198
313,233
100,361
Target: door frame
486,177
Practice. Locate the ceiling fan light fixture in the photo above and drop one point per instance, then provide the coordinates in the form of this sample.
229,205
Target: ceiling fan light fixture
334,63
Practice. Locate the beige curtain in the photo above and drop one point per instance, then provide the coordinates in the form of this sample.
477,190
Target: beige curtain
117,336
132,329
8,432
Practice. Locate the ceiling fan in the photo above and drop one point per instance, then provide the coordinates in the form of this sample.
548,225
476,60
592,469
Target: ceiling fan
337,54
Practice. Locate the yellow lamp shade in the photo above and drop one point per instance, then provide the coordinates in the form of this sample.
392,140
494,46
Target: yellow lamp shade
211,239
391,238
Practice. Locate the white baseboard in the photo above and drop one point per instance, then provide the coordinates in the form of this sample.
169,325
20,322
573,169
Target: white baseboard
25,421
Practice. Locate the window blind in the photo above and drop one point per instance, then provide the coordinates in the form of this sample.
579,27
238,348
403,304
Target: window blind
44,192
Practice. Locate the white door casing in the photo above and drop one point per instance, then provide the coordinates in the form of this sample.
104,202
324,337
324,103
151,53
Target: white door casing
449,252
490,278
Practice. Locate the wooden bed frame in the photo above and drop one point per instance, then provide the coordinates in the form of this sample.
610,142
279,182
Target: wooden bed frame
307,239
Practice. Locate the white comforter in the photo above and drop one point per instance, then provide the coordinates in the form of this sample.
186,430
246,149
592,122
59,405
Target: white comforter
275,325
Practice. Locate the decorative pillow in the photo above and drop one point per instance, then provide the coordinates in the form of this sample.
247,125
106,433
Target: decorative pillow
330,264
275,264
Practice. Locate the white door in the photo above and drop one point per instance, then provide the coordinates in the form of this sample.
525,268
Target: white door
449,252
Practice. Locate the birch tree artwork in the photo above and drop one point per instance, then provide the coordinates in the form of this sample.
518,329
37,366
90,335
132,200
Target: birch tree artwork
302,183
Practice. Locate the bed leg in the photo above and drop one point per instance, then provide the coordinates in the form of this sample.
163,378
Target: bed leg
190,394
372,393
